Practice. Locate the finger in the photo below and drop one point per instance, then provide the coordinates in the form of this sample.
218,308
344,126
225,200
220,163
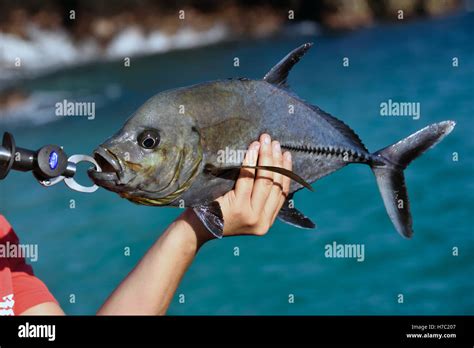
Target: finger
286,182
264,179
272,206
287,164
285,185
244,184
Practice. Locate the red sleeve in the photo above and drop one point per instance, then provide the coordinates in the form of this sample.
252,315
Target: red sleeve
28,291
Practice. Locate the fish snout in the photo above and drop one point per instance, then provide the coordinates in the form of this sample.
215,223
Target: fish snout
111,168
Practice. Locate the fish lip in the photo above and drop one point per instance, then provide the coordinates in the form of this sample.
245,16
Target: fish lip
111,168
99,177
102,154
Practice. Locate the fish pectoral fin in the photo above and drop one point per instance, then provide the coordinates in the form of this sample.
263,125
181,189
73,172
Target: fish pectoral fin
279,73
224,172
295,218
229,172
285,172
211,217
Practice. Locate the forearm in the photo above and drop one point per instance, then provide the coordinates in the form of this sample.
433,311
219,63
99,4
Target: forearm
150,287
250,208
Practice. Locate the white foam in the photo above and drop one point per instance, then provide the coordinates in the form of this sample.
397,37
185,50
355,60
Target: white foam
47,50
128,42
133,41
44,50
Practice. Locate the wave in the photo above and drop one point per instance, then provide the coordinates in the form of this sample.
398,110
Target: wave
133,41
38,107
46,50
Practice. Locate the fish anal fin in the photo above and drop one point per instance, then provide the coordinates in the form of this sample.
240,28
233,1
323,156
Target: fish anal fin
295,218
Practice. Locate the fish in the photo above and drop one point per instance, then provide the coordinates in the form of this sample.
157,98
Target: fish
171,151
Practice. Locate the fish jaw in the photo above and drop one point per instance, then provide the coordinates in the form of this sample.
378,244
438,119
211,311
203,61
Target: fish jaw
111,174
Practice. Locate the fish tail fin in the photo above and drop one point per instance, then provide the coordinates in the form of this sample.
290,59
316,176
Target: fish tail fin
388,166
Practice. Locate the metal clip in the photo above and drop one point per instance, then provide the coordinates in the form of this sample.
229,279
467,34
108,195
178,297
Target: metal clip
71,170
73,184
51,182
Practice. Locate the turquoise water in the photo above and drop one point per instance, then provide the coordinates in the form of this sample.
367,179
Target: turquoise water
81,250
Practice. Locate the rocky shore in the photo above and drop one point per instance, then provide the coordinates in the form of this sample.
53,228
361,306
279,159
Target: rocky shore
103,20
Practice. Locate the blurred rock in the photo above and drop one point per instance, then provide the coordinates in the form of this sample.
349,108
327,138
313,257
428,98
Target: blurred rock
11,98
389,8
437,7
345,15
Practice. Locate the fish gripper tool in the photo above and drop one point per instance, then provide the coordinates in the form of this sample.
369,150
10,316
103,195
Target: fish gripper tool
49,164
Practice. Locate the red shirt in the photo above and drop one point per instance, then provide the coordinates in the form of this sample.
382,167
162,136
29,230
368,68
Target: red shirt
19,288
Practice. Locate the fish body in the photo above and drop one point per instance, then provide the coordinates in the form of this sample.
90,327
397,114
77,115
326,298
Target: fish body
183,147
230,114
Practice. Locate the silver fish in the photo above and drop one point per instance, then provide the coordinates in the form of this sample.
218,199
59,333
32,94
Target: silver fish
168,152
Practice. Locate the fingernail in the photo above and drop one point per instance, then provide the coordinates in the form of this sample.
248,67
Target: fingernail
276,147
266,139
253,153
287,155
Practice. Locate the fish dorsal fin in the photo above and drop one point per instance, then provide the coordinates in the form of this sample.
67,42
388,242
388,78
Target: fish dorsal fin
279,73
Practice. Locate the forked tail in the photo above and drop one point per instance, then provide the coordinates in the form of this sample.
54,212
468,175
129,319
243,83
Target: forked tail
389,164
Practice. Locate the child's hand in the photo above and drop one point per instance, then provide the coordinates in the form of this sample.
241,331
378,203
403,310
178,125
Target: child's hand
253,205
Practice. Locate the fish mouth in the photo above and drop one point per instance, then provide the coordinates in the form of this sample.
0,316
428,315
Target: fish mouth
109,164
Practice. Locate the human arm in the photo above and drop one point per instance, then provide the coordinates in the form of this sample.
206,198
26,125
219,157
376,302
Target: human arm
251,208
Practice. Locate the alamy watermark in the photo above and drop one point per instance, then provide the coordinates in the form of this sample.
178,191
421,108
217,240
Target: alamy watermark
346,251
393,108
234,156
14,250
69,108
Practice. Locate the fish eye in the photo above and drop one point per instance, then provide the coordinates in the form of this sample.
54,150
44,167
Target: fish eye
149,139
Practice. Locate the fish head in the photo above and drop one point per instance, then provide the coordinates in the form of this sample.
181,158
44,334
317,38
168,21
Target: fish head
153,158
